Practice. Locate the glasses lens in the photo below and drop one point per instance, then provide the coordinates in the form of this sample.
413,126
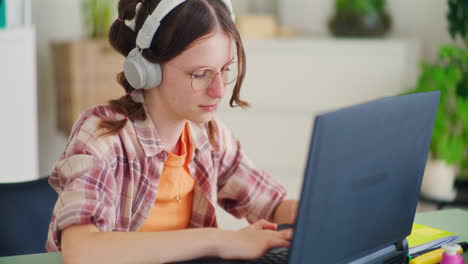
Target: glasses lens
230,73
202,79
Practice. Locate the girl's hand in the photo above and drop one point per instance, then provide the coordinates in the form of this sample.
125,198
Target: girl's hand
261,225
253,241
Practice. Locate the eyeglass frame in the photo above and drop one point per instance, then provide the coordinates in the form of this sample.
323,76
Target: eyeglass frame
192,75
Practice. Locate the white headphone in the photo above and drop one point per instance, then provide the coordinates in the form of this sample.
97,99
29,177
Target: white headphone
140,73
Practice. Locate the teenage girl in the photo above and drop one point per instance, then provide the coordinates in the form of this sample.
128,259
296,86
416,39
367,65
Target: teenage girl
140,178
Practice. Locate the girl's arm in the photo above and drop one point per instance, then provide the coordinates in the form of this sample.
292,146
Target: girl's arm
286,212
86,244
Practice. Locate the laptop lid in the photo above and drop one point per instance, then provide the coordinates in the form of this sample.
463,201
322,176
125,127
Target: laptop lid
363,177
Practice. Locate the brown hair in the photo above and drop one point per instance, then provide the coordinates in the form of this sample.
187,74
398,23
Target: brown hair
182,26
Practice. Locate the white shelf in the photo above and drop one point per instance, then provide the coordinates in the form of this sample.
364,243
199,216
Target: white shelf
289,81
18,134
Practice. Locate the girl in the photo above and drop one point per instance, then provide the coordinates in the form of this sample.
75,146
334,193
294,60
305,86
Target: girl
154,163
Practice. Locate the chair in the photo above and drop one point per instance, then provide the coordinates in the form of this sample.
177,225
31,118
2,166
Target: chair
25,212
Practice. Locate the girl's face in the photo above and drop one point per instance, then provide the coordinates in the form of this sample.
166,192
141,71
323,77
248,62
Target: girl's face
181,96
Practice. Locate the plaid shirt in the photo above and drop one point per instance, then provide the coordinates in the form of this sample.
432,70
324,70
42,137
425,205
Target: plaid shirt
111,181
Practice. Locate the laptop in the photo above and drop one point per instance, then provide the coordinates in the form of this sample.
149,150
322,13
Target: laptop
361,184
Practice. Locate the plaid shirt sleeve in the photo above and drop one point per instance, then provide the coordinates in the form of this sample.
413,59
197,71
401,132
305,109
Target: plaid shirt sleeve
244,191
84,183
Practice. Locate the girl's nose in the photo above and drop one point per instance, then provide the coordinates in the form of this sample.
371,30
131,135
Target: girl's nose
217,87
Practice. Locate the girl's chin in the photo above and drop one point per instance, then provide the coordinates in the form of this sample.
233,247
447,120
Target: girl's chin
202,118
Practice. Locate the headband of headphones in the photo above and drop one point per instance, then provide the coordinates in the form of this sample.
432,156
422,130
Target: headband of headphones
152,22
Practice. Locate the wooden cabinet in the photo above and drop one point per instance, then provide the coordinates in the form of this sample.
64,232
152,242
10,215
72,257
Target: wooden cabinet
85,75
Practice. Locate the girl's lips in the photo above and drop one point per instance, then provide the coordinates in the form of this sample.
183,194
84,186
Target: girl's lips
209,107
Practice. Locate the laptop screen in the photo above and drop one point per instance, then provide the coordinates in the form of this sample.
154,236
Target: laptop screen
363,178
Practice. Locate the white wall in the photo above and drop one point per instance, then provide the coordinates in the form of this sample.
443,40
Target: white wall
54,20
58,20
18,135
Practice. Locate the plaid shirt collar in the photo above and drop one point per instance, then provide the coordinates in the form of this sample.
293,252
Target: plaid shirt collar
150,140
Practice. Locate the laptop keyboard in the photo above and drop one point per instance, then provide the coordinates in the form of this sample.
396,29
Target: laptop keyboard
274,256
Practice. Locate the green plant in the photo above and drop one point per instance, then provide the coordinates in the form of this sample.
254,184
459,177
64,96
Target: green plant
359,7
449,75
457,17
360,18
450,135
97,17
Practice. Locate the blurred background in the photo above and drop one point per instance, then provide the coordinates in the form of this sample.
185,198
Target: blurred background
303,57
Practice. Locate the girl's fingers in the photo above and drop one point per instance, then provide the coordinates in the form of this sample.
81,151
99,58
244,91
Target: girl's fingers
264,224
261,225
287,233
279,242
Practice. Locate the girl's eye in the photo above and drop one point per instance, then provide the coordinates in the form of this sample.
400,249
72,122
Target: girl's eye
200,74
228,68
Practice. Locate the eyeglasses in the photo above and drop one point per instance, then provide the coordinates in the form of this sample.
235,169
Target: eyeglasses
202,78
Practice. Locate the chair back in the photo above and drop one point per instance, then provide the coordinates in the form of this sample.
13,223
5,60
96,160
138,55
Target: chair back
25,213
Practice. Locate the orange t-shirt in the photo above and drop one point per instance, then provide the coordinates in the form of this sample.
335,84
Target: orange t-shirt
173,206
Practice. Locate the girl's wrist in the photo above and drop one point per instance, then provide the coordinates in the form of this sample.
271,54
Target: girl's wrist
286,212
219,238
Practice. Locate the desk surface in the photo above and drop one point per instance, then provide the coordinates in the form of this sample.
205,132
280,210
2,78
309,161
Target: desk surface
453,220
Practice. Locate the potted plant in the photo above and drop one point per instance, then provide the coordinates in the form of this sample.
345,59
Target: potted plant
97,17
360,18
85,69
449,74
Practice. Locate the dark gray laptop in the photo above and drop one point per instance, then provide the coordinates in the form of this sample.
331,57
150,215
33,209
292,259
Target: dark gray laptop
361,184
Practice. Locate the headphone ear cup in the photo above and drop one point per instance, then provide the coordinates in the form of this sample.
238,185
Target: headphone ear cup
153,74
134,70
140,73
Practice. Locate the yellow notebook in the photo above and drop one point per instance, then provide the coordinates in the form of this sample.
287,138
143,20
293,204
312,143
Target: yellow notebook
425,237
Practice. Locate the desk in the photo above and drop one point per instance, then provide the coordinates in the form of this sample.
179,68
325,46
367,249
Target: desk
454,220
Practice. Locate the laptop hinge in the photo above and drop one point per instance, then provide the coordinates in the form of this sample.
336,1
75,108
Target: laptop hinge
393,254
